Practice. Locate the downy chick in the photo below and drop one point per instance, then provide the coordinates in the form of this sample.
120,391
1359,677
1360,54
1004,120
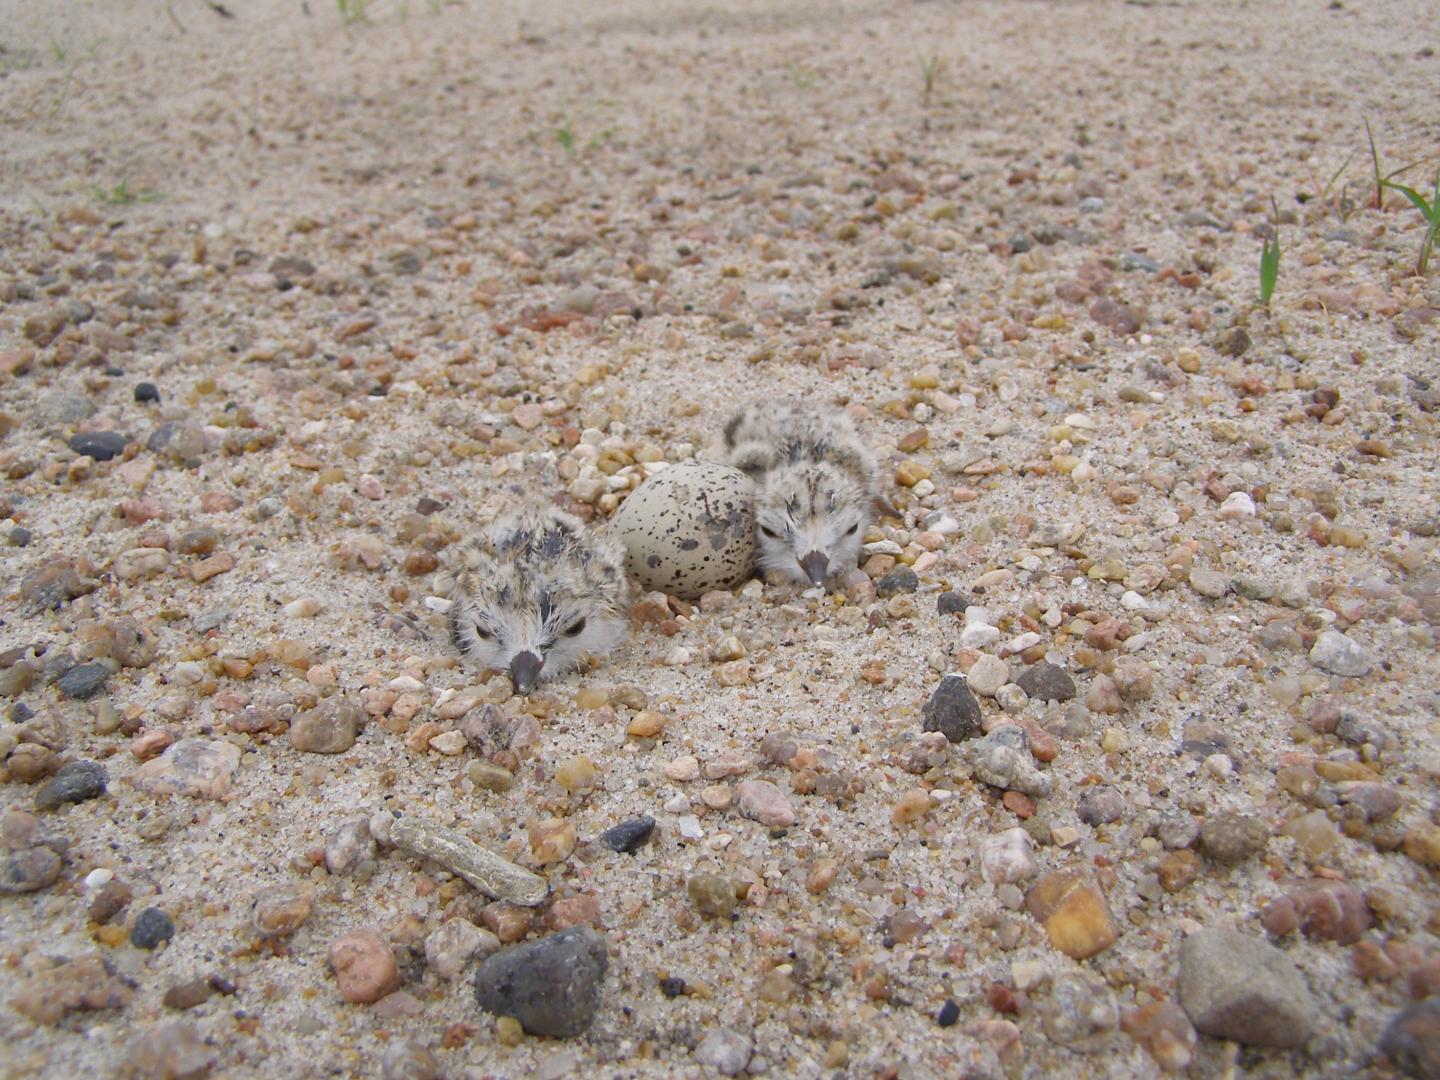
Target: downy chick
815,485
536,592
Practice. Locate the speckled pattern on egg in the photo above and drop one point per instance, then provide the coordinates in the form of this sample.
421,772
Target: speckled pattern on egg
689,529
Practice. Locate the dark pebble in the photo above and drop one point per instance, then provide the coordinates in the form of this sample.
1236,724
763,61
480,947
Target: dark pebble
152,926
146,391
20,712
1019,243
672,986
20,536
1412,1041
953,602
628,836
552,986
100,445
952,710
109,900
427,506
949,1014
901,579
76,782
83,681
1047,682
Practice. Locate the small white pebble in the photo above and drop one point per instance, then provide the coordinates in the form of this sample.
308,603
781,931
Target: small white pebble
303,608
1219,766
101,875
436,603
406,683
1237,504
677,804
1133,601
689,826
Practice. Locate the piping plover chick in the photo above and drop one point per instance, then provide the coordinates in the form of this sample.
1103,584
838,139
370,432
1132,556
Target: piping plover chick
535,591
815,485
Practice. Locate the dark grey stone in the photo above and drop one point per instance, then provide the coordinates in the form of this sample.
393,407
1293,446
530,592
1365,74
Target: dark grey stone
83,681
628,836
152,926
100,445
552,986
952,710
901,579
1046,682
1238,986
76,782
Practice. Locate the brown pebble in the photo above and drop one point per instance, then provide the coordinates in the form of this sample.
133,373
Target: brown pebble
187,995
364,966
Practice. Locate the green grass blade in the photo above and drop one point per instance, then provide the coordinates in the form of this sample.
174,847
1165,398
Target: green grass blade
1415,197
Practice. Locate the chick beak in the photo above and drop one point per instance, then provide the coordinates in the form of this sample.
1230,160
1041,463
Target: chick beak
524,670
815,565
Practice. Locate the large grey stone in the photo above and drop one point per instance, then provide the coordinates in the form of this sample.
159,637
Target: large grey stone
1238,986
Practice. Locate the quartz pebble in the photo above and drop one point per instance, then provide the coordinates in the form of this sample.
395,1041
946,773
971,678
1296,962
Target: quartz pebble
201,768
330,729
1340,655
280,910
1007,856
172,1049
1081,1012
1236,986
551,986
987,675
726,1051
84,982
1165,1032
348,844
762,801
1003,759
450,949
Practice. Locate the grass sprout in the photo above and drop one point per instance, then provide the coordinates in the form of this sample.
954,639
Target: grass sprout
1430,211
123,195
930,69
352,11
1270,257
565,137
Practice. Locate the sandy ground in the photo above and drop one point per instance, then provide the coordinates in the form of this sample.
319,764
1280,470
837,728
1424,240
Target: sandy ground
1031,229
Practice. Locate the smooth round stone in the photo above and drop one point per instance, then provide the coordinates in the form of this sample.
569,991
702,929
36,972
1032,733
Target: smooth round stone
152,926
552,986
100,445
146,392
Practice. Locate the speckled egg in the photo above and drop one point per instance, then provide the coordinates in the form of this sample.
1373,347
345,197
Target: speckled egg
688,529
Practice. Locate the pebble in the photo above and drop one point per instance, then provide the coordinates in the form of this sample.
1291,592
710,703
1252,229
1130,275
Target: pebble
952,710
726,1051
146,392
76,782
152,927
28,870
100,445
902,579
1209,583
409,1059
1338,654
1081,1013
364,966
332,728
1003,759
450,949
1007,857
280,910
1074,912
62,407
1100,805
188,995
1046,682
349,844
712,895
1322,910
1165,1032
1231,837
83,681
949,1014
497,878
987,675
762,801
84,982
169,1050
201,768
629,836
1177,869
552,986
1412,1039
1237,986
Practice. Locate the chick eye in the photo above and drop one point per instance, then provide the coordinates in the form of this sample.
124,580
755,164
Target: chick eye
771,533
575,629
483,634
853,529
